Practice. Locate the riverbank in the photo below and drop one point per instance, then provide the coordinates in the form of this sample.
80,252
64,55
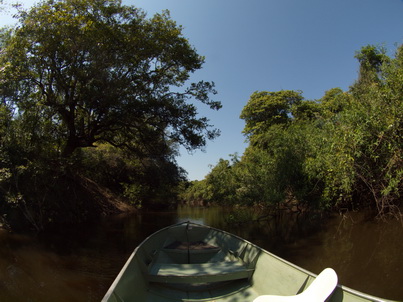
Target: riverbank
69,201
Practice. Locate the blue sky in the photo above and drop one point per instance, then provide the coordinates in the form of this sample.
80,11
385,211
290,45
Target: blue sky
254,45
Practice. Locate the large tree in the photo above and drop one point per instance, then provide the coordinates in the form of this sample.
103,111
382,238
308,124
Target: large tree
102,71
265,109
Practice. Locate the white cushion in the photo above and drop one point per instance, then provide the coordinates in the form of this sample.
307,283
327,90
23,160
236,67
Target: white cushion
319,290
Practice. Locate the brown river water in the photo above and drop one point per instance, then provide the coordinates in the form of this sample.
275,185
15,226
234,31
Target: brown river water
79,263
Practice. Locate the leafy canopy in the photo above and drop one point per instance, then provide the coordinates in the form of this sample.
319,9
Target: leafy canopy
102,71
343,150
265,109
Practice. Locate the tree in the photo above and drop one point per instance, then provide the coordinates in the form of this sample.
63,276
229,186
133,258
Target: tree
265,109
371,59
341,151
220,182
376,117
358,160
101,71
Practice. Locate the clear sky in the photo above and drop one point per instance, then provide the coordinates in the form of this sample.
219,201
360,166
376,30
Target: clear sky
255,45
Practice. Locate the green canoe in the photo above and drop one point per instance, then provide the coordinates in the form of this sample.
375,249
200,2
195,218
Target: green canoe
192,262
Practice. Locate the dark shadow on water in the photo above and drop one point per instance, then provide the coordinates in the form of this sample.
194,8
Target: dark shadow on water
78,263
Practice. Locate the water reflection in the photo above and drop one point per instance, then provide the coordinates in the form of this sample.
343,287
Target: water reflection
79,263
366,254
212,216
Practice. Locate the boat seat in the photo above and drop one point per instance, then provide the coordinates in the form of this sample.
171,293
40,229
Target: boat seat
198,272
319,290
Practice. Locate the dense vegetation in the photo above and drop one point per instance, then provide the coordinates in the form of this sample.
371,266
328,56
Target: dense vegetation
94,99
344,150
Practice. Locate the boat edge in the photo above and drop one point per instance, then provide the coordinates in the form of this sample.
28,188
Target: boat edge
309,273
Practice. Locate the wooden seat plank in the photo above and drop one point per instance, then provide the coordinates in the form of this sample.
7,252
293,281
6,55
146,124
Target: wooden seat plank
198,273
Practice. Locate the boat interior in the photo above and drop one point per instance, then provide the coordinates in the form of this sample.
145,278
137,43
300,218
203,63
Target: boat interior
192,262
189,262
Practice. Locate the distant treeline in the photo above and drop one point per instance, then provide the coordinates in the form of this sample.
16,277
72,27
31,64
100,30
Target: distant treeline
344,150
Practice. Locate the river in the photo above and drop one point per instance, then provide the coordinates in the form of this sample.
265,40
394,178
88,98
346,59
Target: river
79,263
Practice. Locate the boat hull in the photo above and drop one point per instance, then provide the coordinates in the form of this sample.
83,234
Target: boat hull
191,262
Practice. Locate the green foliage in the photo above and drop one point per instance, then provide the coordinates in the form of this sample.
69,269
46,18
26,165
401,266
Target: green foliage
377,117
76,74
371,59
194,192
101,71
333,102
265,109
343,150
141,181
220,183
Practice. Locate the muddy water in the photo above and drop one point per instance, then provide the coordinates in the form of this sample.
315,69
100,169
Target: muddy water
79,263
